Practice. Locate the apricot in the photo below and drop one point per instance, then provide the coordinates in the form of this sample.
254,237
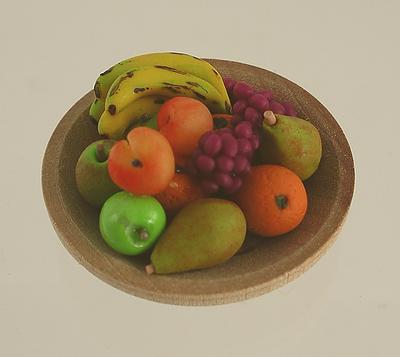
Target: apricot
183,121
144,164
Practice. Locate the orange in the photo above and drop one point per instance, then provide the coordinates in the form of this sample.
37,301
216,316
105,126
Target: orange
182,190
273,199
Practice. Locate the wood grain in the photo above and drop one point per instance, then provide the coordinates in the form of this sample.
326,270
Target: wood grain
263,264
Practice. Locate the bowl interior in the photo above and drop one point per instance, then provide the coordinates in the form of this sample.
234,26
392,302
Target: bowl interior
262,263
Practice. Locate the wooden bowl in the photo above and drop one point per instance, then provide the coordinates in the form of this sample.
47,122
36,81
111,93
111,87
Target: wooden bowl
261,265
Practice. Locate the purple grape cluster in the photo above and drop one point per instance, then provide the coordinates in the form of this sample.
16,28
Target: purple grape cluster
223,157
250,104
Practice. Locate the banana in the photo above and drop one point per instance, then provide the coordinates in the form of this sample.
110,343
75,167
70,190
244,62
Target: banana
96,109
116,126
180,61
164,81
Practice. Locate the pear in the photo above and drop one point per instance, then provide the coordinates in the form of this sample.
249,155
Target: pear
291,142
203,234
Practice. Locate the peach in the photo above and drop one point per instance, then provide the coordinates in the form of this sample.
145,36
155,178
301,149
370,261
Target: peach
183,121
143,165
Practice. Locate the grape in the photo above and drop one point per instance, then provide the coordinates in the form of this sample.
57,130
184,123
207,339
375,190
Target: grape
204,137
212,144
244,146
229,145
243,130
224,155
236,120
239,107
251,115
224,163
205,163
242,90
259,102
190,168
289,109
247,169
225,130
277,107
229,84
222,169
236,184
240,163
196,153
209,186
223,180
266,93
255,141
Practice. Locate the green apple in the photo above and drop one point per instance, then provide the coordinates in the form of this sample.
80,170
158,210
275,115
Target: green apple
91,173
131,224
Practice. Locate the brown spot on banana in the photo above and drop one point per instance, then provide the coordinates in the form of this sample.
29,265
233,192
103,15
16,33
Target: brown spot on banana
114,89
112,109
107,71
97,91
228,107
138,90
177,86
198,95
172,89
195,84
171,69
116,85
144,118
159,101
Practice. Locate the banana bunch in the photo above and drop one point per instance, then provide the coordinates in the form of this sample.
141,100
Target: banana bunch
138,86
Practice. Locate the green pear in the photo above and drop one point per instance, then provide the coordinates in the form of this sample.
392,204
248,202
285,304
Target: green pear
91,173
291,142
204,233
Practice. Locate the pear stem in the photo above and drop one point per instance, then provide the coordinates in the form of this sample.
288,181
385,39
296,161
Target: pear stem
150,269
269,117
101,153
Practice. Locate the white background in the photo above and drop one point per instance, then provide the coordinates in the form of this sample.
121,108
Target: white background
346,53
